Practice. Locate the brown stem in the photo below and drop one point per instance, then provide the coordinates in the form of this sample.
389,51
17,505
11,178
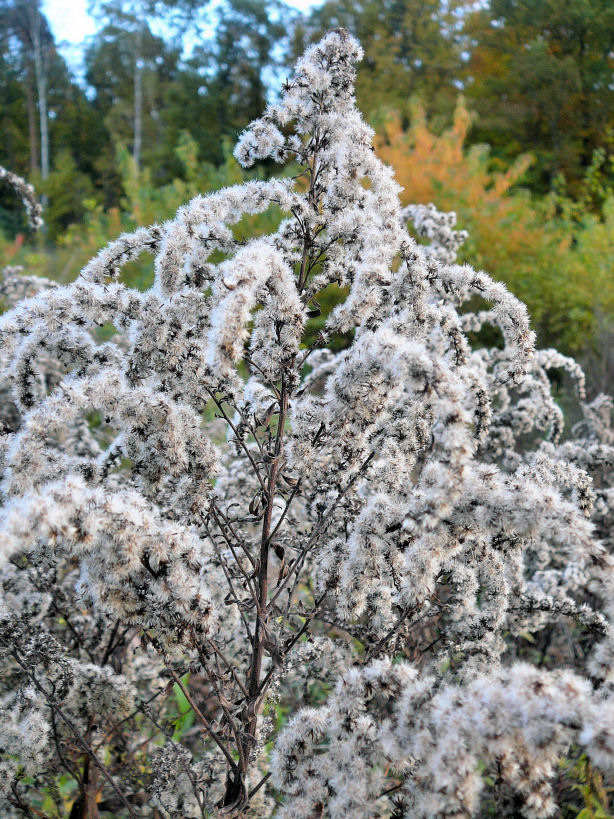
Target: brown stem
238,437
295,567
54,706
375,650
236,794
263,568
310,617
307,241
229,666
207,725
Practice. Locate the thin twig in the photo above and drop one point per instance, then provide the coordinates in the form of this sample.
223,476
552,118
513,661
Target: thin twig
317,531
205,721
77,734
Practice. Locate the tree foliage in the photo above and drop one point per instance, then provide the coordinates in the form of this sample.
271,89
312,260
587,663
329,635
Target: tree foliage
540,74
515,234
409,49
227,80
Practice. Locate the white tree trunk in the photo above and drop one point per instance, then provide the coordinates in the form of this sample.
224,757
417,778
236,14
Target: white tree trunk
138,98
41,83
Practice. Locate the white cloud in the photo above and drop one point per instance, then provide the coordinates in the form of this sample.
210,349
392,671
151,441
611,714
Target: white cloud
69,20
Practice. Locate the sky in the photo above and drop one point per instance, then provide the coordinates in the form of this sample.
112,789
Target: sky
71,24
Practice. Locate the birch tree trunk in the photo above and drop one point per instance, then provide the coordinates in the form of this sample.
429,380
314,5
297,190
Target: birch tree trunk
138,98
41,83
40,70
31,105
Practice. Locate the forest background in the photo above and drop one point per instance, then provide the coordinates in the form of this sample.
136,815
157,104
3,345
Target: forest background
501,111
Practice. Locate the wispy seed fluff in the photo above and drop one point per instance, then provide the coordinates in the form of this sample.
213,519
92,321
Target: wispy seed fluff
409,494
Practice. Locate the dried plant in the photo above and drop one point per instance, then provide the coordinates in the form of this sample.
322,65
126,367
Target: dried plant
364,536
25,192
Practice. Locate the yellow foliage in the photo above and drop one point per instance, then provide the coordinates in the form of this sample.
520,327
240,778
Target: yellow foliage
561,265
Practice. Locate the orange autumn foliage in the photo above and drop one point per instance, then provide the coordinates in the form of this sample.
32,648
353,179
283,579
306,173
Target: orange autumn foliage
542,254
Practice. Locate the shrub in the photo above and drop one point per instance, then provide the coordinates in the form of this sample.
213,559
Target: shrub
208,523
553,253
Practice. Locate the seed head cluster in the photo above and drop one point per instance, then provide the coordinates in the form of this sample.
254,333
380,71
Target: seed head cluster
212,515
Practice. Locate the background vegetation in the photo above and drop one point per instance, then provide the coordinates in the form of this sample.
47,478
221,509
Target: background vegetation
503,112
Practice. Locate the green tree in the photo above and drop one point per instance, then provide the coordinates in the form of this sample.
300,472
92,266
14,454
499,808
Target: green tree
40,117
110,72
540,75
225,83
132,17
67,190
26,28
18,128
410,50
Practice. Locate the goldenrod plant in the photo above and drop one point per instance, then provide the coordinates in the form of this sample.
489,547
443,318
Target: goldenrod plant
202,514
